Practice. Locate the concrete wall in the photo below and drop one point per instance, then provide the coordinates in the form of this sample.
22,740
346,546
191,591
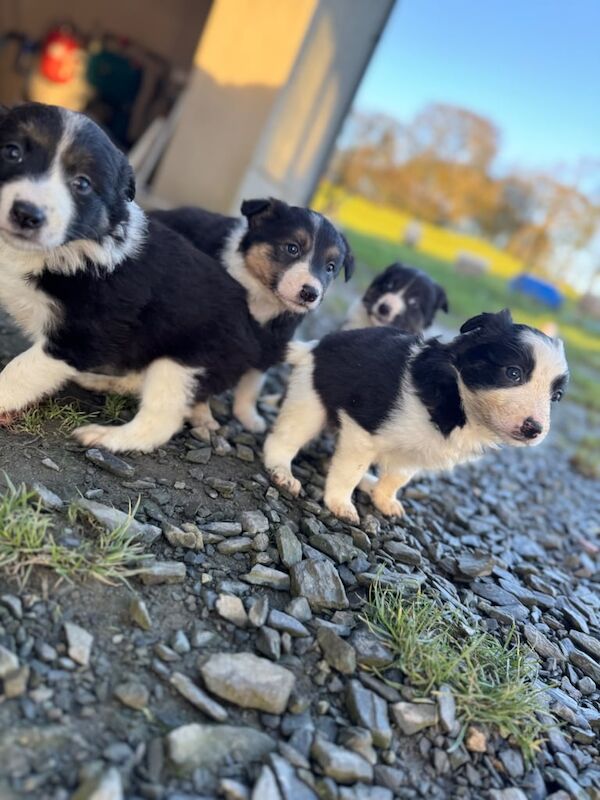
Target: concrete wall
271,85
243,60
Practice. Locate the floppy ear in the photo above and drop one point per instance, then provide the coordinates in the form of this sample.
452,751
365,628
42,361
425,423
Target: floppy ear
127,180
260,208
130,190
487,321
349,263
441,299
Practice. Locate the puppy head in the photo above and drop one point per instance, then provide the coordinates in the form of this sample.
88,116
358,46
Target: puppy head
405,298
294,252
61,179
509,375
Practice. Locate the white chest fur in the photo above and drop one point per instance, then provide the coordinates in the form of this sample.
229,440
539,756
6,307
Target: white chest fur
31,308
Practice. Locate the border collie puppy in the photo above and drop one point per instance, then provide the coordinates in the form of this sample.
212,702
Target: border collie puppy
104,294
401,296
285,257
409,405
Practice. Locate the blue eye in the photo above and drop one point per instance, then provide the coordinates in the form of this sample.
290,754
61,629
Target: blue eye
330,267
514,374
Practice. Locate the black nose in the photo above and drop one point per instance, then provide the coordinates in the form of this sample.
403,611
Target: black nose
383,309
26,215
531,428
308,293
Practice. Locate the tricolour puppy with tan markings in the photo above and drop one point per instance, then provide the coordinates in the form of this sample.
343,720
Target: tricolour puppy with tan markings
408,405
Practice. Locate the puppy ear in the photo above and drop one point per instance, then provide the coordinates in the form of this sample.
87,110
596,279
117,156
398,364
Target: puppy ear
441,299
127,180
349,262
131,188
487,321
261,208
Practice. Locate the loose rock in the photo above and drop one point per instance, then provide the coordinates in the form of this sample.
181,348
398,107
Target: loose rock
248,681
319,583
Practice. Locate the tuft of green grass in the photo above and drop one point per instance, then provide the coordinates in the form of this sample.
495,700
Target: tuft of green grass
65,415
586,458
27,541
493,683
114,407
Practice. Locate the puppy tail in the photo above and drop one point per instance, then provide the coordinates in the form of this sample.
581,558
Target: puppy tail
297,351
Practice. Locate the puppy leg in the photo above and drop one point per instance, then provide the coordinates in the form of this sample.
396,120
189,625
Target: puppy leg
200,416
115,384
353,455
166,394
245,398
383,493
300,419
29,377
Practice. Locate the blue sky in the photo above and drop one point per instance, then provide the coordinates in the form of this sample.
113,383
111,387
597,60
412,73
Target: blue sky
532,66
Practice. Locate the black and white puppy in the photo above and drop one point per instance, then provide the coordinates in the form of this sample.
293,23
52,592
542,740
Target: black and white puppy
109,298
401,296
409,405
284,256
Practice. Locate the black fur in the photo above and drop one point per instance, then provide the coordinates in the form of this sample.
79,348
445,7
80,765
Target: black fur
434,379
360,372
423,297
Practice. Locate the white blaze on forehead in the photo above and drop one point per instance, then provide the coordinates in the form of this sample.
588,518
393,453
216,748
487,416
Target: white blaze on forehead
48,192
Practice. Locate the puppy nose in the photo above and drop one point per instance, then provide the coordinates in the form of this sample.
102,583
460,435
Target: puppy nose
26,215
383,309
531,428
308,293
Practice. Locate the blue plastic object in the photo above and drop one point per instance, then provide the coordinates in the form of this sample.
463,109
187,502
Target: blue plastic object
539,290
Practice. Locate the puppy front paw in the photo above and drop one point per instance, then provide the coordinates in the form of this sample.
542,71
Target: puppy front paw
388,506
283,479
114,439
344,510
252,420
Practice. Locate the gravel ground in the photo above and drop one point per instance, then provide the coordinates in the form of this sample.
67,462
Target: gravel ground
238,666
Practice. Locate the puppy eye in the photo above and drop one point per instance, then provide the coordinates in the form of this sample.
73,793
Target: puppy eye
292,249
412,301
514,374
557,396
12,153
81,184
330,267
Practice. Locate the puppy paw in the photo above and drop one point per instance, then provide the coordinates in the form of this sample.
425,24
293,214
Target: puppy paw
344,510
252,421
110,438
201,417
283,479
388,506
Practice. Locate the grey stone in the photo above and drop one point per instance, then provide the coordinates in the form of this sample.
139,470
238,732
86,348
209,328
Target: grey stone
223,528
342,765
139,614
199,455
254,522
104,786
299,608
588,643
363,792
320,583
132,694
370,651
475,565
260,575
369,711
237,544
162,572
339,654
512,793
338,546
268,642
495,594
188,689
231,608
541,644
360,741
259,611
512,760
14,605
447,708
266,787
288,546
575,790
290,786
414,717
79,643
403,553
15,683
190,539
233,790
210,746
8,662
587,664
47,498
112,519
248,681
110,463
285,622
586,685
